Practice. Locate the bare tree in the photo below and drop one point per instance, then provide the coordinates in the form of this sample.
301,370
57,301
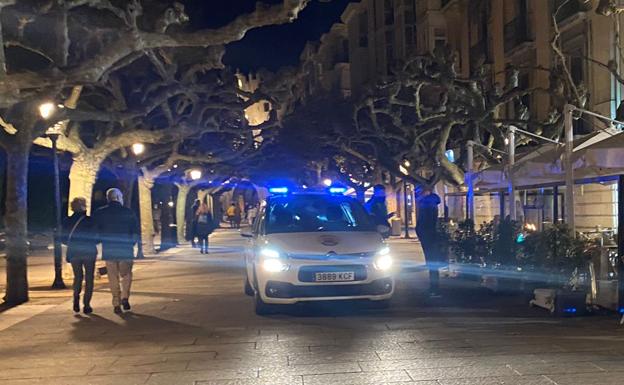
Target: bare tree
88,43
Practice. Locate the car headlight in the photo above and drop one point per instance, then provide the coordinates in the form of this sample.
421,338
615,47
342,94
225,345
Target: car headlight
383,260
271,261
269,253
274,265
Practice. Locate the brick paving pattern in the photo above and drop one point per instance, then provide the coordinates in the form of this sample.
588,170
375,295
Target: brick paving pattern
191,324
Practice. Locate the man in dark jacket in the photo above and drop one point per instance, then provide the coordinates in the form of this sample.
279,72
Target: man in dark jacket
377,208
426,229
80,238
118,232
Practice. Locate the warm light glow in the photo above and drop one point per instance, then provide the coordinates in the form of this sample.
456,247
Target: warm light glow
138,148
195,174
170,203
403,170
327,182
407,163
530,227
46,110
506,142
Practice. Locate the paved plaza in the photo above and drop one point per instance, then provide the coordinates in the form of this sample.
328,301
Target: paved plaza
192,324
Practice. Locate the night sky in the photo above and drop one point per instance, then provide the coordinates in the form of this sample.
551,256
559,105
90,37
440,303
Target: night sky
270,47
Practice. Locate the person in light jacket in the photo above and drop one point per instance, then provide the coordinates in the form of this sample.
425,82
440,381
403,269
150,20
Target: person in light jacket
118,231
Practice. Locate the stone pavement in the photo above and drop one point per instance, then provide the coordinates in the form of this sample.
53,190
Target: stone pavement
191,324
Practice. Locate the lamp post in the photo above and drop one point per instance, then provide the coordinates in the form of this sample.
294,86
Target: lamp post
46,110
406,210
138,149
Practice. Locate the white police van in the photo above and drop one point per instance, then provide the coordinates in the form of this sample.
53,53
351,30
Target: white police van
315,246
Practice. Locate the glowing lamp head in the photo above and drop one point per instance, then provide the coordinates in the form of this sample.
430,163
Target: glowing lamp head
195,174
138,148
327,182
170,203
47,109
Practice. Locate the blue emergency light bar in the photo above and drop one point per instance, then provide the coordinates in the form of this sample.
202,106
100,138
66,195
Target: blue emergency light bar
337,190
278,190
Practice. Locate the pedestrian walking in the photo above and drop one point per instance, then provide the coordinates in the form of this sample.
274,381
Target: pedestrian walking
80,238
233,214
205,226
118,231
252,213
192,229
378,209
426,229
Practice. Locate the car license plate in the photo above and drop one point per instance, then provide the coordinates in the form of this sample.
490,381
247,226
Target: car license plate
335,276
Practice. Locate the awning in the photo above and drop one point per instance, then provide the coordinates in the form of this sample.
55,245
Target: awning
597,155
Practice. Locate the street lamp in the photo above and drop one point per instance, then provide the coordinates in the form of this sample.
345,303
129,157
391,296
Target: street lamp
195,174
138,148
46,110
327,182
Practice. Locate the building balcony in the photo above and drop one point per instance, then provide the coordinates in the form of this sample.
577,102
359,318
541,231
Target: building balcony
568,10
479,49
516,33
445,3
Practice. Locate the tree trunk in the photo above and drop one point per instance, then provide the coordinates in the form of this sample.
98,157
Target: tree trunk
145,209
183,191
125,181
82,177
16,223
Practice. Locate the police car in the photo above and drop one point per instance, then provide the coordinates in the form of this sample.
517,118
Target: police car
313,246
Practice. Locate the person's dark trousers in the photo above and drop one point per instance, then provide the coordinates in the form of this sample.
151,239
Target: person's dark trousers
84,269
203,244
432,265
434,278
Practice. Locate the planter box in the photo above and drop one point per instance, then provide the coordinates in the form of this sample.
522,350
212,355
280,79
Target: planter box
561,302
607,294
468,271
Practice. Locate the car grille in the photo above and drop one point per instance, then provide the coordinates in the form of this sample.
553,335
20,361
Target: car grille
325,257
308,273
287,290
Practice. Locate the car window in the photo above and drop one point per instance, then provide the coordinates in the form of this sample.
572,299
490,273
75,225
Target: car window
308,213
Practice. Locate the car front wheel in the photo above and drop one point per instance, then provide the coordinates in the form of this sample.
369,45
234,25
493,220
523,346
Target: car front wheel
261,307
248,289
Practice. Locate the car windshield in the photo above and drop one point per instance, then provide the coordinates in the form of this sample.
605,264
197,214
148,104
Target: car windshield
309,213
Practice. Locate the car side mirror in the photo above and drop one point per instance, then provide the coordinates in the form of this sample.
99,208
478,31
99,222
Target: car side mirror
246,235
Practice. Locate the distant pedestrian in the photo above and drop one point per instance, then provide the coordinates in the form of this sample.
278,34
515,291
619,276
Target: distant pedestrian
205,226
192,226
252,213
426,229
118,232
80,238
378,209
234,216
